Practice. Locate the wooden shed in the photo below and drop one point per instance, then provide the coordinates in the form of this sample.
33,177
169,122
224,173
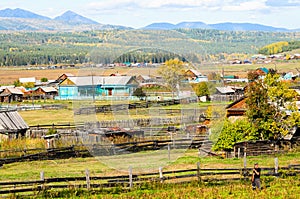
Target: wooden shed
12,125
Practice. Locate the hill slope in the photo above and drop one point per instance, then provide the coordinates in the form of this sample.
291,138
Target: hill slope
73,18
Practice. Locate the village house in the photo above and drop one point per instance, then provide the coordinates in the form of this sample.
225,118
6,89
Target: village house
93,86
226,90
10,94
194,76
236,109
144,79
41,92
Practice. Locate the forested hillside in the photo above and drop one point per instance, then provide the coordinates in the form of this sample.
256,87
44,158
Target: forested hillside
279,47
107,46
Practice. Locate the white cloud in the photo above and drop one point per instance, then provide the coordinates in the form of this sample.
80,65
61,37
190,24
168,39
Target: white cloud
247,6
287,3
156,4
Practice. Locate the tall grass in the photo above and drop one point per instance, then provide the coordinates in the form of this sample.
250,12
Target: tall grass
19,147
22,143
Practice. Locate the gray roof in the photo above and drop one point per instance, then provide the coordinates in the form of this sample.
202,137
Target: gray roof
15,91
49,89
11,121
101,80
225,90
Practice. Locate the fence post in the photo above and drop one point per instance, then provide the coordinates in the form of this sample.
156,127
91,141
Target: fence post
245,160
87,176
239,153
245,165
198,172
130,177
42,176
276,166
169,152
161,174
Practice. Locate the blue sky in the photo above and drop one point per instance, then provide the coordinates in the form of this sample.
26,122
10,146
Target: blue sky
139,13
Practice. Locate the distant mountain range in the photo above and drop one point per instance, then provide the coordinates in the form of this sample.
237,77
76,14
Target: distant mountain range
219,26
19,19
19,13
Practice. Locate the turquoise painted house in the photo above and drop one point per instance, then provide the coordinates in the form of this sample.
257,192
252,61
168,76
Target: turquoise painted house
96,86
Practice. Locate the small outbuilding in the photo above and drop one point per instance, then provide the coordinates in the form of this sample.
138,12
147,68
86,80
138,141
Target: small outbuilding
12,125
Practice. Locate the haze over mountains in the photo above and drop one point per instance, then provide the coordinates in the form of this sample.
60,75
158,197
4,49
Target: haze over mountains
19,19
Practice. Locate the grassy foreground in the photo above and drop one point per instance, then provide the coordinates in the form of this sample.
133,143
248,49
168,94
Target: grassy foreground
75,167
271,188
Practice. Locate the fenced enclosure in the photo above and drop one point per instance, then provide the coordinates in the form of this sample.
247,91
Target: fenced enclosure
99,149
131,179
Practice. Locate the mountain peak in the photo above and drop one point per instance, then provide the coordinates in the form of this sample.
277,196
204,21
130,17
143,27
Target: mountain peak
20,13
74,18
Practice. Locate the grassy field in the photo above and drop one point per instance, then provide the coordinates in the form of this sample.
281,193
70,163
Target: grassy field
65,116
272,188
288,187
100,166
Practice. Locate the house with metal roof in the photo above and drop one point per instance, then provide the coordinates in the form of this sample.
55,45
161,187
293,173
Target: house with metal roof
95,86
41,92
12,125
227,90
10,94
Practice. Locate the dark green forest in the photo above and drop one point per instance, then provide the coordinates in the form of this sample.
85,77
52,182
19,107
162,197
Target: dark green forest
108,46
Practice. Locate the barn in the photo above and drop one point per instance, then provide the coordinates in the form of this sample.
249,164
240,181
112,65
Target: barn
12,125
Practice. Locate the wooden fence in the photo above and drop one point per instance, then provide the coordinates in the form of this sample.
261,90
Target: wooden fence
130,180
99,149
32,107
142,122
136,105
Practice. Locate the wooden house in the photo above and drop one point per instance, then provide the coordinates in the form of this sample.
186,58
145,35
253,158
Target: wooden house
262,71
194,76
236,109
144,79
227,90
12,125
45,92
65,76
10,94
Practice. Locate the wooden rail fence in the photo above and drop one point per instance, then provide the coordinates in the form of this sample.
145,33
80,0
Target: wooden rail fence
130,180
97,149
136,105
